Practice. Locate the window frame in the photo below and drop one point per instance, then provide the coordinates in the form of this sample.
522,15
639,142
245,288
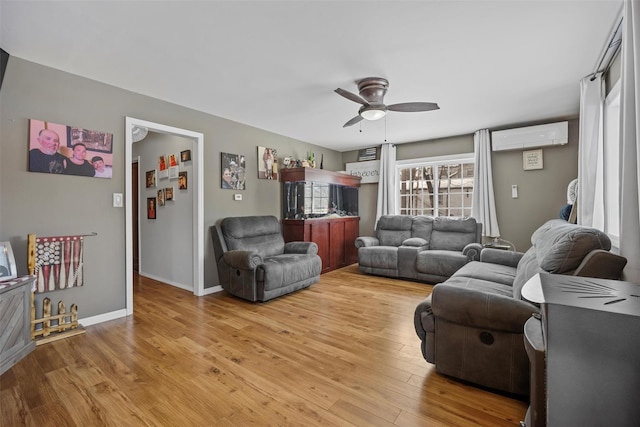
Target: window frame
611,161
434,161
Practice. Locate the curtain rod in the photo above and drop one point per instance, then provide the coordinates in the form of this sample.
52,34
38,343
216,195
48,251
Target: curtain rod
610,50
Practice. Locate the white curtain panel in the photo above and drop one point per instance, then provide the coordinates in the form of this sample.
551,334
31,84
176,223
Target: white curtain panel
387,183
483,204
629,134
590,149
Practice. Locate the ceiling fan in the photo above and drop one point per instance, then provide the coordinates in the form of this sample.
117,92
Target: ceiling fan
372,91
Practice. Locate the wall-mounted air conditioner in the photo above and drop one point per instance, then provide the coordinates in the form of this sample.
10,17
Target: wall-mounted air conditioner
530,137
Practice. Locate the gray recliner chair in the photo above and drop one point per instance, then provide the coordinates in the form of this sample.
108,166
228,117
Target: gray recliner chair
254,262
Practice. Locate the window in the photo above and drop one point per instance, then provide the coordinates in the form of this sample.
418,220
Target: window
438,186
612,165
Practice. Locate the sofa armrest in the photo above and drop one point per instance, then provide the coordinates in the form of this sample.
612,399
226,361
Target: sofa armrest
308,248
472,251
480,309
243,260
500,256
364,241
423,318
602,265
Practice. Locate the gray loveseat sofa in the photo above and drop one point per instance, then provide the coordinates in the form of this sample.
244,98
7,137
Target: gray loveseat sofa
471,326
256,264
419,247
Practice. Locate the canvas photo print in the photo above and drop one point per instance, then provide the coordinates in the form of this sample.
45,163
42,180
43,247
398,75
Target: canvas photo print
267,163
67,150
233,171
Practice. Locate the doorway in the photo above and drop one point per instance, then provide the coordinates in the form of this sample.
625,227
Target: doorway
131,125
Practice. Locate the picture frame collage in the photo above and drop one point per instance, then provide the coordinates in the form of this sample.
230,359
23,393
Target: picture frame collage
168,168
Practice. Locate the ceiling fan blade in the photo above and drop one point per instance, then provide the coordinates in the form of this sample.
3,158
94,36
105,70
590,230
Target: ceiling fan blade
351,96
413,107
353,121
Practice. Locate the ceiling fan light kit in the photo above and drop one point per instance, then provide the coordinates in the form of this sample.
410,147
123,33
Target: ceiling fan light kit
371,94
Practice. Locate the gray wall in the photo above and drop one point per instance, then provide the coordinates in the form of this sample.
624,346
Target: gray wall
166,243
541,192
53,204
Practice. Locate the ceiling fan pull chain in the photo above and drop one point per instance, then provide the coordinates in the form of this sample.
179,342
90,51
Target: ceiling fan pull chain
385,129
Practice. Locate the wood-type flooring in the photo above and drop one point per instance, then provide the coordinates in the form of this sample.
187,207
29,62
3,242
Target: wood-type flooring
340,353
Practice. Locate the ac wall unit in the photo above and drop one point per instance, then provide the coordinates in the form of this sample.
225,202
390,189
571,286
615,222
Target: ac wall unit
530,137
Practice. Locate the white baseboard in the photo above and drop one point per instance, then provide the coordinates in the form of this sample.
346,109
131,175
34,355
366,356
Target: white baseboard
212,290
104,317
168,282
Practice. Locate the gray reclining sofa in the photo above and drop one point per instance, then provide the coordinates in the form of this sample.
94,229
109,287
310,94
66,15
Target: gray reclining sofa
419,247
471,326
256,264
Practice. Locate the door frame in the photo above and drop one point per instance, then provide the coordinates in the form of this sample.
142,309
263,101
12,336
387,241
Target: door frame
198,202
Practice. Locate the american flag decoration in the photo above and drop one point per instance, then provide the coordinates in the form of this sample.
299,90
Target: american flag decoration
58,263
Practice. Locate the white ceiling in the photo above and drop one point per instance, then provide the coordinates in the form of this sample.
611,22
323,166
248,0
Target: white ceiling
275,64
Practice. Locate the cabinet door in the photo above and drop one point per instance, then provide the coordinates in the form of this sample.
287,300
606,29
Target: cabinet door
351,232
320,235
336,242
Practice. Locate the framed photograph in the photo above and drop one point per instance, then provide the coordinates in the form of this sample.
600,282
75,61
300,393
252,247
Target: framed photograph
168,193
173,160
233,171
8,268
161,197
162,163
267,163
151,178
532,159
151,208
173,172
183,184
185,156
61,149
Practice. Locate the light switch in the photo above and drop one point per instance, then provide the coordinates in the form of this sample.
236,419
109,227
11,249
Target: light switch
514,191
117,200
237,197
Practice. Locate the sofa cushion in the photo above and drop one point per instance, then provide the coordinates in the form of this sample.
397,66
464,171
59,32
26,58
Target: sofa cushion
561,246
258,234
452,234
422,227
498,273
527,268
283,270
415,241
392,230
480,303
440,263
378,256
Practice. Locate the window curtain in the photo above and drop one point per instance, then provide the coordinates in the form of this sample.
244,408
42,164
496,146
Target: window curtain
590,153
387,183
629,134
483,205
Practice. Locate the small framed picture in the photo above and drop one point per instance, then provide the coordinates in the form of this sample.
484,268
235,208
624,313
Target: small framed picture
532,159
168,193
173,160
8,268
151,178
162,163
182,180
173,172
161,197
151,208
185,156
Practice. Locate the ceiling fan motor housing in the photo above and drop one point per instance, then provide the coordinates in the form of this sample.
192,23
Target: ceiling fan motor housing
373,89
